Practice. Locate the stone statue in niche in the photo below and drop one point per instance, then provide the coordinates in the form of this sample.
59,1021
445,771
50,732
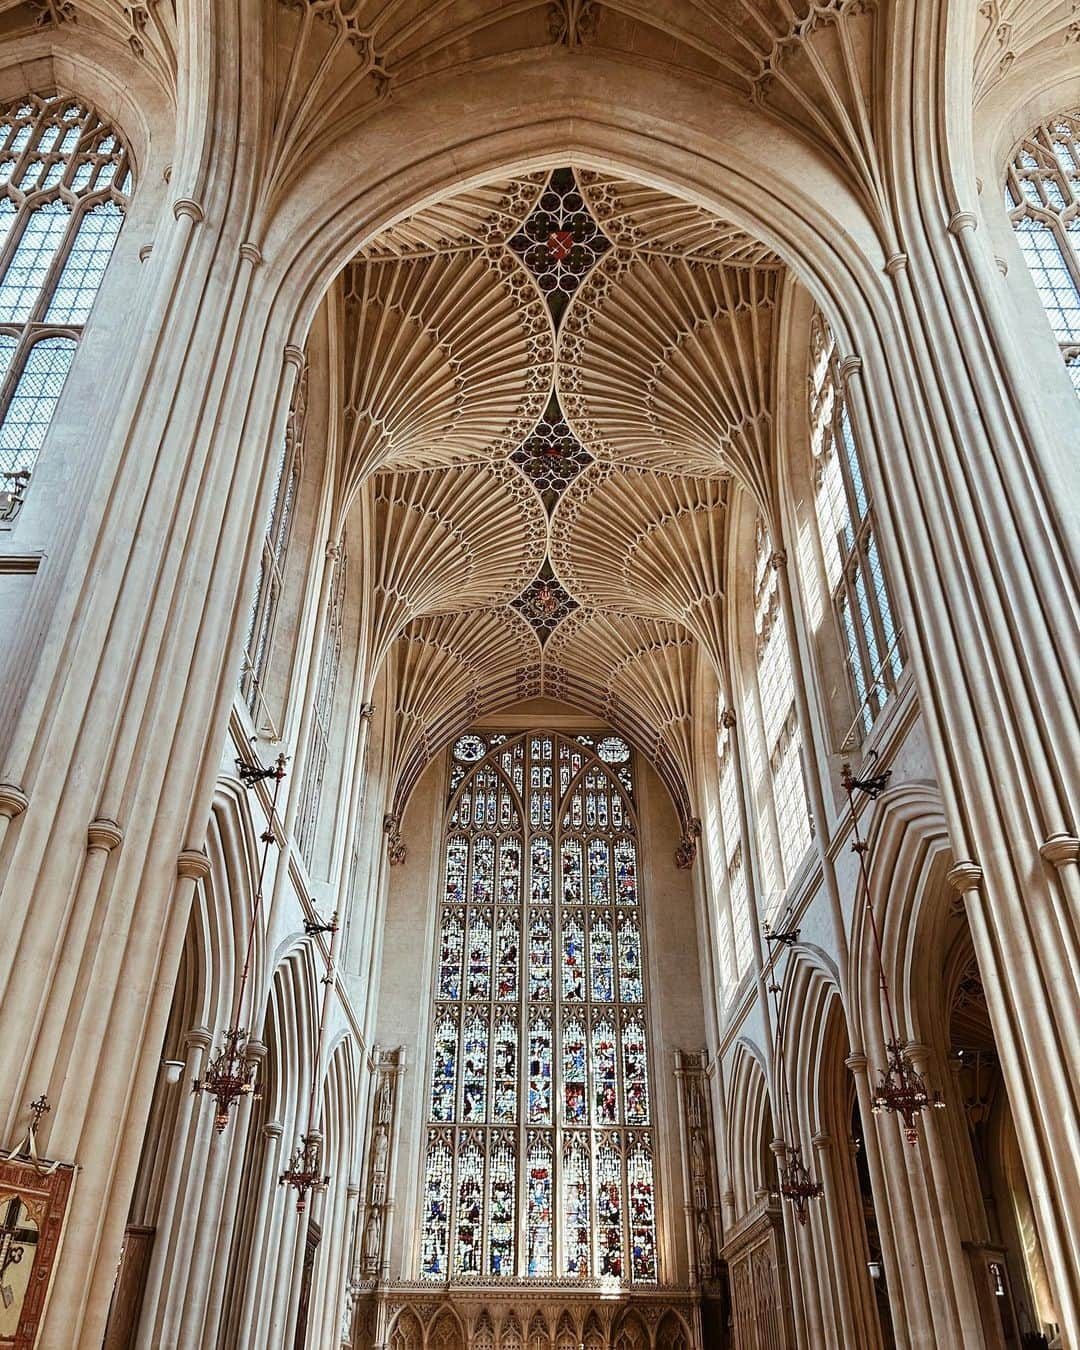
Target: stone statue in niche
372,1236
705,1246
693,1102
385,1102
382,1148
697,1155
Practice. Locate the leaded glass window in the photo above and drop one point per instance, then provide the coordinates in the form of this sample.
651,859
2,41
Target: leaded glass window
1042,196
779,720
539,1158
271,578
322,712
730,824
873,643
65,181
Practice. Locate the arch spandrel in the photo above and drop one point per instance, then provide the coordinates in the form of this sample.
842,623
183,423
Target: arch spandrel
428,149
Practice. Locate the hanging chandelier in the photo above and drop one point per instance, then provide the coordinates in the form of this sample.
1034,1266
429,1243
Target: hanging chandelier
796,1183
902,1090
305,1171
230,1074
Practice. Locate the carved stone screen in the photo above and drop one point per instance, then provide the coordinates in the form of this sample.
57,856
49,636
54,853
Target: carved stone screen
539,1151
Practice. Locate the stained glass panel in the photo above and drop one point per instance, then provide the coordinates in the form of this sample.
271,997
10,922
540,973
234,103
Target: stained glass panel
604,1074
574,1073
505,1080
541,870
601,959
573,944
474,1067
635,1071
507,972
609,1227
626,871
470,1204
577,1218
444,1067
639,1171
438,1175
540,956
479,955
540,1069
630,986
453,949
501,1207
572,887
539,1249
599,872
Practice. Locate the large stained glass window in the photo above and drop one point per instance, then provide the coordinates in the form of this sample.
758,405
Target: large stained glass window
539,1100
845,516
1042,196
65,180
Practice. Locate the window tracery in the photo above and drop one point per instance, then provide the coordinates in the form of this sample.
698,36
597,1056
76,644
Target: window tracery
731,827
873,643
539,1148
1042,197
322,712
271,577
65,181
779,719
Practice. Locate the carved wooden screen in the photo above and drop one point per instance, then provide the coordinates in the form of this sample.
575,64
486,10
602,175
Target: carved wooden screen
760,1318
539,1158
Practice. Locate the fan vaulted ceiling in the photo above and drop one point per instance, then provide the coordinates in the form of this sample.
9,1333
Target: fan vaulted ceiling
551,386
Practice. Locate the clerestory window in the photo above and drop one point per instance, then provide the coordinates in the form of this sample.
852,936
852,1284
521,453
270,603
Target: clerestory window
65,181
847,531
270,581
307,819
780,728
1042,196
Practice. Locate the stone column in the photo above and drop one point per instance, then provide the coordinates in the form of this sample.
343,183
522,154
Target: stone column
257,1283
908,1307
119,683
978,530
